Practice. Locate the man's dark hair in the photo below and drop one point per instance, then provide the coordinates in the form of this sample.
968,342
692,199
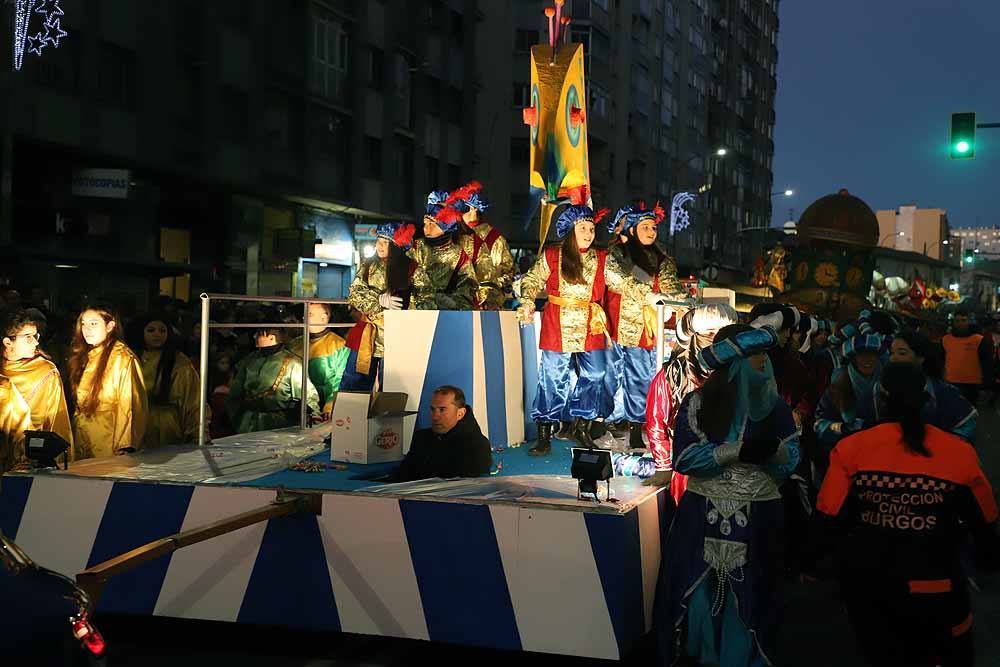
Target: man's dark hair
457,395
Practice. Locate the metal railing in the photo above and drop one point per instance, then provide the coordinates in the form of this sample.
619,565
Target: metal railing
207,325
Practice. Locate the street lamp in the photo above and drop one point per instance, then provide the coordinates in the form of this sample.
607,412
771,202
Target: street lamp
787,193
890,235
721,152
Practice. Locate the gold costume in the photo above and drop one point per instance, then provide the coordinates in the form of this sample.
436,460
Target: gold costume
503,265
488,290
15,419
120,419
38,381
634,314
574,320
445,278
174,422
368,285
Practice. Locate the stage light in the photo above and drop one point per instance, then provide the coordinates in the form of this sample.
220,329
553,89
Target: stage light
591,466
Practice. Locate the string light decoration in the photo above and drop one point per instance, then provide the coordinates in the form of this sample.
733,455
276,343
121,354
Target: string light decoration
680,217
50,33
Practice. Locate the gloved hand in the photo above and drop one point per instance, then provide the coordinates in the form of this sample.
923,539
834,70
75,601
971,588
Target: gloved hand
526,312
446,302
758,450
390,302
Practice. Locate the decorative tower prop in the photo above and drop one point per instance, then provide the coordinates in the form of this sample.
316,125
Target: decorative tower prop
557,118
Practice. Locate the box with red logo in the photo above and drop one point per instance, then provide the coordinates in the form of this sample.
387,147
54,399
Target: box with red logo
368,427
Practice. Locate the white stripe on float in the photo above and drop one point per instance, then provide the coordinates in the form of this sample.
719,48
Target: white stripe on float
208,580
510,333
371,571
649,544
553,581
480,409
60,521
409,335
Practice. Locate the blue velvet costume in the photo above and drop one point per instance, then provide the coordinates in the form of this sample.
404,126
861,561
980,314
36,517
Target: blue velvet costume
723,557
950,411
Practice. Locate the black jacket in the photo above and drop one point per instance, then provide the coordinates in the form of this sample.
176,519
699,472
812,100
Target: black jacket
461,452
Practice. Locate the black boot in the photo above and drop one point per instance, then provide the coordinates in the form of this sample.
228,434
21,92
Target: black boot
635,436
544,445
581,432
598,429
564,432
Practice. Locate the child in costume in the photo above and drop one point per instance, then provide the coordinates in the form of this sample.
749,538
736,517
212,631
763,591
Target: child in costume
383,283
574,325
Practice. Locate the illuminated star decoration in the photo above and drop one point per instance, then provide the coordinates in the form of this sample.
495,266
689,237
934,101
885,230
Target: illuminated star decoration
680,217
23,10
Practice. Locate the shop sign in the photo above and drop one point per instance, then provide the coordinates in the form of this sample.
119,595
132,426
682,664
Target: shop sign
106,183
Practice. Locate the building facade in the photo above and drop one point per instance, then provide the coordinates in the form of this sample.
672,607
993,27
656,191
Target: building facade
984,239
249,136
921,230
669,83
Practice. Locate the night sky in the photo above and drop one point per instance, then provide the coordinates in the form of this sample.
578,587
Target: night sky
865,93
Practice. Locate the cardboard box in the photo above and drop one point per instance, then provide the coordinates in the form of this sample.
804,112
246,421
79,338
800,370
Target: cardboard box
368,428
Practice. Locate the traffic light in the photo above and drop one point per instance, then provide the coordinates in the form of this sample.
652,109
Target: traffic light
970,256
963,136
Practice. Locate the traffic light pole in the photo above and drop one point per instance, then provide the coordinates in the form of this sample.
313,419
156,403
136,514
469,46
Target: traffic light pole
984,126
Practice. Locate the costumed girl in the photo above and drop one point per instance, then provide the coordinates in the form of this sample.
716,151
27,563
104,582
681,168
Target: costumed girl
15,419
266,392
445,277
946,407
35,376
684,373
850,403
737,442
633,321
483,242
574,326
107,383
328,356
172,385
384,282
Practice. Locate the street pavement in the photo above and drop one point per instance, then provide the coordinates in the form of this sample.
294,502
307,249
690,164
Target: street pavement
815,632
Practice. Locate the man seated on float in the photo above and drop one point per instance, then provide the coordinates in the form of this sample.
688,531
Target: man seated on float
267,390
454,445
445,278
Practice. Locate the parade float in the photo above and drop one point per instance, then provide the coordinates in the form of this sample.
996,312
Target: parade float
265,528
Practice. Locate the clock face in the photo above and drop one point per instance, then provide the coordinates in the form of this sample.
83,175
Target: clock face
853,277
827,275
801,272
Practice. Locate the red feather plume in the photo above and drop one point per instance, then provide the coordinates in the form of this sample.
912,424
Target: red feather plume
448,215
659,212
463,193
404,235
600,215
578,195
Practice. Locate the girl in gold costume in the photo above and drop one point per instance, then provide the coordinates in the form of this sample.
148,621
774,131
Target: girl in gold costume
35,376
15,419
172,386
106,379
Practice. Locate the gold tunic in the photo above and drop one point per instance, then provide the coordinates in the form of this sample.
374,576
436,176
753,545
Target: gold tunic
120,419
573,321
368,285
176,421
488,292
631,320
503,263
15,419
433,277
38,381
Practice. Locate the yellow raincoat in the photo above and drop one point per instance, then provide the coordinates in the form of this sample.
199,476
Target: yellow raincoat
15,419
38,381
174,422
120,419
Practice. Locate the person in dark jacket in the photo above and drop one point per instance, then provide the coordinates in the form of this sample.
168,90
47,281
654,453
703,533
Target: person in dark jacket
454,445
894,506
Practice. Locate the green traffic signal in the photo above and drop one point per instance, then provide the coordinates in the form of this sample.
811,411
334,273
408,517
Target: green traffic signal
963,136
970,256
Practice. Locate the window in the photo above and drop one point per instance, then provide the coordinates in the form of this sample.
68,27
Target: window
640,88
453,173
404,172
373,158
603,4
697,40
452,105
236,106
600,45
59,68
522,95
581,9
277,122
330,51
329,133
376,67
457,27
402,89
668,63
431,171
599,100
117,83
